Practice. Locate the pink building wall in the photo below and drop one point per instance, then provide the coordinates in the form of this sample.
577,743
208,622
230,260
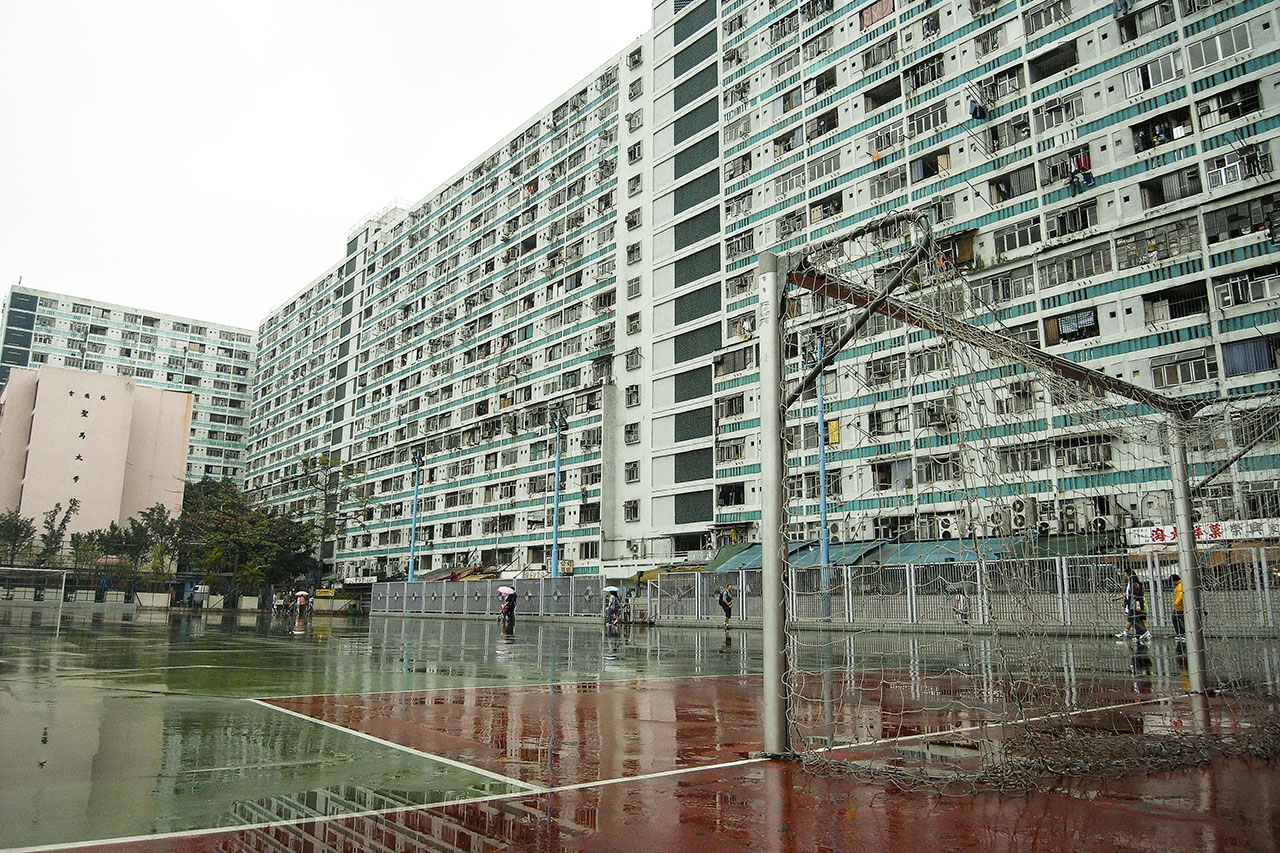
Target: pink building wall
101,439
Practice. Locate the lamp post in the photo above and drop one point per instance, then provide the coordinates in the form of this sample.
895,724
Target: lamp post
413,529
823,533
555,501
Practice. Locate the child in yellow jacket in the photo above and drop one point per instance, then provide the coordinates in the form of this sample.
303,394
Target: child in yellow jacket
1179,613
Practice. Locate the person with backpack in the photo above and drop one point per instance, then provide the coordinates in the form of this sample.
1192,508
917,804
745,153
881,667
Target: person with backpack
1135,608
726,603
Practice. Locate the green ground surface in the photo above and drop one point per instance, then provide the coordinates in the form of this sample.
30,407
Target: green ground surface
127,724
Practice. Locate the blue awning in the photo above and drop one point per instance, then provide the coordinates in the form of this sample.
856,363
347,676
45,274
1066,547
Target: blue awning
749,557
807,554
838,554
939,551
802,555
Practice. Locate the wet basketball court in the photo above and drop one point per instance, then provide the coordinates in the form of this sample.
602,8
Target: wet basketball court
157,731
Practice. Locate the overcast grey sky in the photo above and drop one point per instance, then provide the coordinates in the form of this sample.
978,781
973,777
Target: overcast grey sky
208,159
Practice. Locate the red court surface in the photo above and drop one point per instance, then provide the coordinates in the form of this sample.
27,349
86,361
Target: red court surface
665,765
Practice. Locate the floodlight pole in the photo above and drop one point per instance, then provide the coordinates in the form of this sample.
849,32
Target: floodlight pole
413,530
772,509
555,502
1188,562
62,596
824,534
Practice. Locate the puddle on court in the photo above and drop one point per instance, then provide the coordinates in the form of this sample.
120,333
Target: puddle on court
142,726
83,763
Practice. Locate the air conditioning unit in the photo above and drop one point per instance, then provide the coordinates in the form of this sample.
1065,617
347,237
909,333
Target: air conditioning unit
1103,523
939,416
948,527
1024,513
1068,520
536,568
999,522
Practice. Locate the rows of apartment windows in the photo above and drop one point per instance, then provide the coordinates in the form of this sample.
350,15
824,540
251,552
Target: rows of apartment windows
983,134
979,291
391,307
478,192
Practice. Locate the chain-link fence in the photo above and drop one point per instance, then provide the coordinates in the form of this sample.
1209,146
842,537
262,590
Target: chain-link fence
1241,592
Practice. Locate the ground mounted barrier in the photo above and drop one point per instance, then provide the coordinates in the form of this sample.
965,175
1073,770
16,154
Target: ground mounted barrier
1240,594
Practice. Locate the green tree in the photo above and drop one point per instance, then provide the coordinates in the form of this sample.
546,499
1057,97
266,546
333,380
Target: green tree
127,543
250,580
162,534
55,530
335,500
17,532
222,533
84,549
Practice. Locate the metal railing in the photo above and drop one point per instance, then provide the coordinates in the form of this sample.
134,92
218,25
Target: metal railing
1240,593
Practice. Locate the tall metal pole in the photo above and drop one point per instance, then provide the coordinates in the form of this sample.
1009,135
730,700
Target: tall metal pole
824,534
772,509
413,530
555,505
62,596
1188,564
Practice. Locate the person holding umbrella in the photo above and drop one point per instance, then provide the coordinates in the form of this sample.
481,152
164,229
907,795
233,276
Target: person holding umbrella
612,606
508,611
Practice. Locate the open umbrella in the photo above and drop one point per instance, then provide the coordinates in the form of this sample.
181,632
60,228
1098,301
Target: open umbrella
506,590
611,589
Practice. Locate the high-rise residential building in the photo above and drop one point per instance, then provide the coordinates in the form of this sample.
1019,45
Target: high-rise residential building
211,361
108,442
582,299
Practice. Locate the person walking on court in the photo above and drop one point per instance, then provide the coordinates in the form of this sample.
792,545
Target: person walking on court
509,610
961,607
726,603
1179,610
1135,608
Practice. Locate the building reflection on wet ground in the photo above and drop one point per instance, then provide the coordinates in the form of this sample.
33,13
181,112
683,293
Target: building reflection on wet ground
145,731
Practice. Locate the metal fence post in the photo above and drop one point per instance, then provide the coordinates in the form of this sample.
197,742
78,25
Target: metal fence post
913,615
1266,588
1157,589
791,590
984,616
847,582
1060,567
742,593
1259,583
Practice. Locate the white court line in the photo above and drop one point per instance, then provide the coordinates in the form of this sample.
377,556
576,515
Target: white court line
194,833
440,758
499,797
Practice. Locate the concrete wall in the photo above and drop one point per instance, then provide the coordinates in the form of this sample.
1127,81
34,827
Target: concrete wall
15,432
157,455
115,447
78,447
